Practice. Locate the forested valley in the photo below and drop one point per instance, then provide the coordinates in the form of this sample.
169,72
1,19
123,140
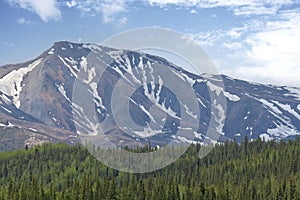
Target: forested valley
250,170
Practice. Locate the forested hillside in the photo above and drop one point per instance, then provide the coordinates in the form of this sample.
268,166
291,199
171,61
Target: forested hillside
251,170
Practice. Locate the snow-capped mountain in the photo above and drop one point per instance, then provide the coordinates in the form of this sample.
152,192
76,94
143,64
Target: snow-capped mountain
135,97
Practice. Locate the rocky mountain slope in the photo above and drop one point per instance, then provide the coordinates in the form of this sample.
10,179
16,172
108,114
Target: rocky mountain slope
132,98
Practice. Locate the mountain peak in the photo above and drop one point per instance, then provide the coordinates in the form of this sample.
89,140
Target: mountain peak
65,45
43,89
65,42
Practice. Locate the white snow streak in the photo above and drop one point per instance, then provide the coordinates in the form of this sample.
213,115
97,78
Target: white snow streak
295,92
220,119
183,139
189,112
5,98
9,111
288,108
71,61
10,84
265,137
282,131
147,132
32,129
271,106
231,97
51,52
92,47
73,73
215,88
144,110
62,91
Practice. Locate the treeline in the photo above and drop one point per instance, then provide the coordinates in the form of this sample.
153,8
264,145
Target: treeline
250,170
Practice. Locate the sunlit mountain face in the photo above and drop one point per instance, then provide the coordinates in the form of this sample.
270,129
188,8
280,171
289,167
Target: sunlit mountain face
133,98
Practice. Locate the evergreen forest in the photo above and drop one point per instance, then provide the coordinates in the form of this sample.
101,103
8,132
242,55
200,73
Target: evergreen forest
250,170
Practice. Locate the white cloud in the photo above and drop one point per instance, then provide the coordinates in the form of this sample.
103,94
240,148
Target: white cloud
269,52
274,51
239,7
46,9
256,10
24,21
123,20
193,11
71,4
233,45
264,49
108,8
234,33
173,2
111,7
208,38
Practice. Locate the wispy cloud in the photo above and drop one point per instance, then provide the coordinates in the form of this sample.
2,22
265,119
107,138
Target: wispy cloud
193,11
123,20
24,21
256,10
46,9
238,7
49,10
233,45
108,8
208,38
8,44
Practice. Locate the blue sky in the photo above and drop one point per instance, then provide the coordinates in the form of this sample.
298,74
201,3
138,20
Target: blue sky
256,40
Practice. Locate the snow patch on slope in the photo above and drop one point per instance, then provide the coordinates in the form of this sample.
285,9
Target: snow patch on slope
7,110
51,52
185,140
288,108
92,47
294,92
147,132
73,73
10,84
220,119
4,98
271,106
274,108
84,125
115,54
62,91
214,88
91,74
83,63
144,110
282,131
189,112
218,90
153,95
231,97
71,61
265,137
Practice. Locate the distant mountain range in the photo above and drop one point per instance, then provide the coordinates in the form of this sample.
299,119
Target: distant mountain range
70,88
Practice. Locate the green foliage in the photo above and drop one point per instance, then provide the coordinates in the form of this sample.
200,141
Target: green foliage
251,170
